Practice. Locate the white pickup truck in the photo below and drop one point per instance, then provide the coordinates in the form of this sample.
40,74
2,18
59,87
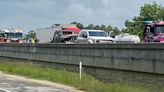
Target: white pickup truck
94,36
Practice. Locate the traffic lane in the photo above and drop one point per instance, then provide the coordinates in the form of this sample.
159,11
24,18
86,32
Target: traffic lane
10,83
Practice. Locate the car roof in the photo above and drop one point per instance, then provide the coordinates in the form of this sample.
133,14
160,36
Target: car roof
93,30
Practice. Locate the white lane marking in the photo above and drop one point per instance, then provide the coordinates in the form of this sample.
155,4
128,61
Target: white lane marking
4,90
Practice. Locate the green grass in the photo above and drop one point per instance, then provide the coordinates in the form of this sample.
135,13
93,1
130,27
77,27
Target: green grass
88,83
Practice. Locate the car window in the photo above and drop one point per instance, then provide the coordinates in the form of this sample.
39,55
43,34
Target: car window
57,33
85,33
66,32
81,34
159,29
98,34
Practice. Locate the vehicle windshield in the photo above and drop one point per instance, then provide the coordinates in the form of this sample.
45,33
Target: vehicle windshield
10,35
66,32
159,29
18,35
2,35
98,34
14,35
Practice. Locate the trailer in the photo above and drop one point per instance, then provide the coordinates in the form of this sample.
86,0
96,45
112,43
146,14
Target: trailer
58,33
45,35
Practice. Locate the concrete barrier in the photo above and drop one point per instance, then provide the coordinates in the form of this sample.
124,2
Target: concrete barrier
132,57
121,62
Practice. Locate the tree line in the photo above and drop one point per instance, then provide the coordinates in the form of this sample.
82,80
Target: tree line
108,28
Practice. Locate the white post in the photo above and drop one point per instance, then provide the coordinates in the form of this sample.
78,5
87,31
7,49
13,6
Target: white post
80,69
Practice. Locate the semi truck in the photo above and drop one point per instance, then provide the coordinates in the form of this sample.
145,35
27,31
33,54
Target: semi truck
58,33
154,31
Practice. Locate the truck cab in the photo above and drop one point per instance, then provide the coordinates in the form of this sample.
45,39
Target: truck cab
94,37
154,32
67,34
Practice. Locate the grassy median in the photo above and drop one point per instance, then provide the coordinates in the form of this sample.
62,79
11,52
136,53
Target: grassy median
87,83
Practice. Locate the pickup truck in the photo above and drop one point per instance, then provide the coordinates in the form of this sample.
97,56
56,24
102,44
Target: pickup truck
94,36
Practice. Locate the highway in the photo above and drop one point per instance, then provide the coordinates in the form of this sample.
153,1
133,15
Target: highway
10,83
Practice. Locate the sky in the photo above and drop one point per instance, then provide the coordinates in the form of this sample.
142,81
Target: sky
32,14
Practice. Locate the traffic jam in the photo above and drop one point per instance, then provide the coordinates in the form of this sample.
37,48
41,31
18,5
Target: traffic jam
70,33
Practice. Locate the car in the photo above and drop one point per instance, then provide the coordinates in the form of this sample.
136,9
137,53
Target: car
94,36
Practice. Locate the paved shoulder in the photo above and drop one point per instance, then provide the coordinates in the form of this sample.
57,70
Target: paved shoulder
11,83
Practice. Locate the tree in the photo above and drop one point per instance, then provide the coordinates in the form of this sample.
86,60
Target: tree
79,25
116,31
151,12
97,27
90,26
109,28
162,13
103,27
32,34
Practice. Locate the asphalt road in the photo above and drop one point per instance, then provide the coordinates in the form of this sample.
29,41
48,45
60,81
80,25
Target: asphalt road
10,83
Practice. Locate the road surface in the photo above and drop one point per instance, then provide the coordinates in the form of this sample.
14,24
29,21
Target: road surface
10,83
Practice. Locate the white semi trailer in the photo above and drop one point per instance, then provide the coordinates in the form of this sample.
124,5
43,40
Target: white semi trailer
45,35
57,33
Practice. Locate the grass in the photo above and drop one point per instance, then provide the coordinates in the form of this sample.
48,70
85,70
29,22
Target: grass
88,83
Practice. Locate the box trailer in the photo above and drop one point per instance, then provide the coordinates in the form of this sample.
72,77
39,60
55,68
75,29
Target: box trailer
58,33
45,35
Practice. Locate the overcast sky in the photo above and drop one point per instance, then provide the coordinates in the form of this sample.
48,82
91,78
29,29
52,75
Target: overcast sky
31,14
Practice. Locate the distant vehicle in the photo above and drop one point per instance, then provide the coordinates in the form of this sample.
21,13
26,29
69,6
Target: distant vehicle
127,38
154,32
14,35
94,36
2,37
58,33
